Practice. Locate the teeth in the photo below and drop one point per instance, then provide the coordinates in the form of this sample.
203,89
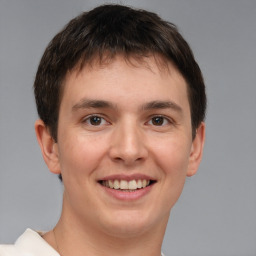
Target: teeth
110,183
139,184
123,184
116,184
133,184
126,185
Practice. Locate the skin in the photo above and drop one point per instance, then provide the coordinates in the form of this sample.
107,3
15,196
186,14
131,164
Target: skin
134,135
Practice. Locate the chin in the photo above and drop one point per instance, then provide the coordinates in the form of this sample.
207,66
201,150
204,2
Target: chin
133,224
125,230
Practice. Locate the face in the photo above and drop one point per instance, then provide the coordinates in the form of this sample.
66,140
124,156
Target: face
124,145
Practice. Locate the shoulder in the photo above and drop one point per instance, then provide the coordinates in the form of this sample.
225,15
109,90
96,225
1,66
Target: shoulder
8,250
29,243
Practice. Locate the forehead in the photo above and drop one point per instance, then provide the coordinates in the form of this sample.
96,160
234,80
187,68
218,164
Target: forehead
151,61
105,75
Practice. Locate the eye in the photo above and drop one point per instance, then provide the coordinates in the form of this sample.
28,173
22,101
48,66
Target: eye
159,121
95,120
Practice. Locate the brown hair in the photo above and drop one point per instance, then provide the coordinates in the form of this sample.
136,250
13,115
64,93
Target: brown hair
112,30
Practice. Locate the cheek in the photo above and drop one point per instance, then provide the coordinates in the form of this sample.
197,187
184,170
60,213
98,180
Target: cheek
173,156
173,161
80,155
79,158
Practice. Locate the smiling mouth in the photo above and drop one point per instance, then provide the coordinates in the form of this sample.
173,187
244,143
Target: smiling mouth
127,186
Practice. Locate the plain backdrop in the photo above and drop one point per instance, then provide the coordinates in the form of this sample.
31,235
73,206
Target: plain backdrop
216,214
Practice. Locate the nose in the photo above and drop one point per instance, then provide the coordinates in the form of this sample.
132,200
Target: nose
128,144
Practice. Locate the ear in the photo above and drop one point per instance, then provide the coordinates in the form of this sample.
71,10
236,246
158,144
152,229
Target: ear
48,147
196,150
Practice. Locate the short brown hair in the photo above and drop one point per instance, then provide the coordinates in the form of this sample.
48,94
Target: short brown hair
114,29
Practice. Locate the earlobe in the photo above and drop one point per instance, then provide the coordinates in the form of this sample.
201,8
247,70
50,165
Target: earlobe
49,147
196,150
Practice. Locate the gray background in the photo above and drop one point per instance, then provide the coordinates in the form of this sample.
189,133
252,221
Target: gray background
216,215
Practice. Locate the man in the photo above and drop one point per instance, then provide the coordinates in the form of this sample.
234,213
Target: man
121,102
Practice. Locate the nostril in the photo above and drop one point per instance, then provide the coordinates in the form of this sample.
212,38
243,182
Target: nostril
128,160
118,159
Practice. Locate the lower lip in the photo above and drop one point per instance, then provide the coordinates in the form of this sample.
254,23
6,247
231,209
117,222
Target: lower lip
128,196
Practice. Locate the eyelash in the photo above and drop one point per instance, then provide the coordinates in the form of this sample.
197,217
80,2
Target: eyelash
88,119
165,120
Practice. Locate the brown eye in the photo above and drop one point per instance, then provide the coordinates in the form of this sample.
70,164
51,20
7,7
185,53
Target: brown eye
95,120
158,121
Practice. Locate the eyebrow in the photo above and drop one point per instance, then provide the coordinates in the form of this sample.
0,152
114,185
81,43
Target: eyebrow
162,105
85,103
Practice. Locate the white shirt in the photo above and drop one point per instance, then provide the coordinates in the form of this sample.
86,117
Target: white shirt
30,243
